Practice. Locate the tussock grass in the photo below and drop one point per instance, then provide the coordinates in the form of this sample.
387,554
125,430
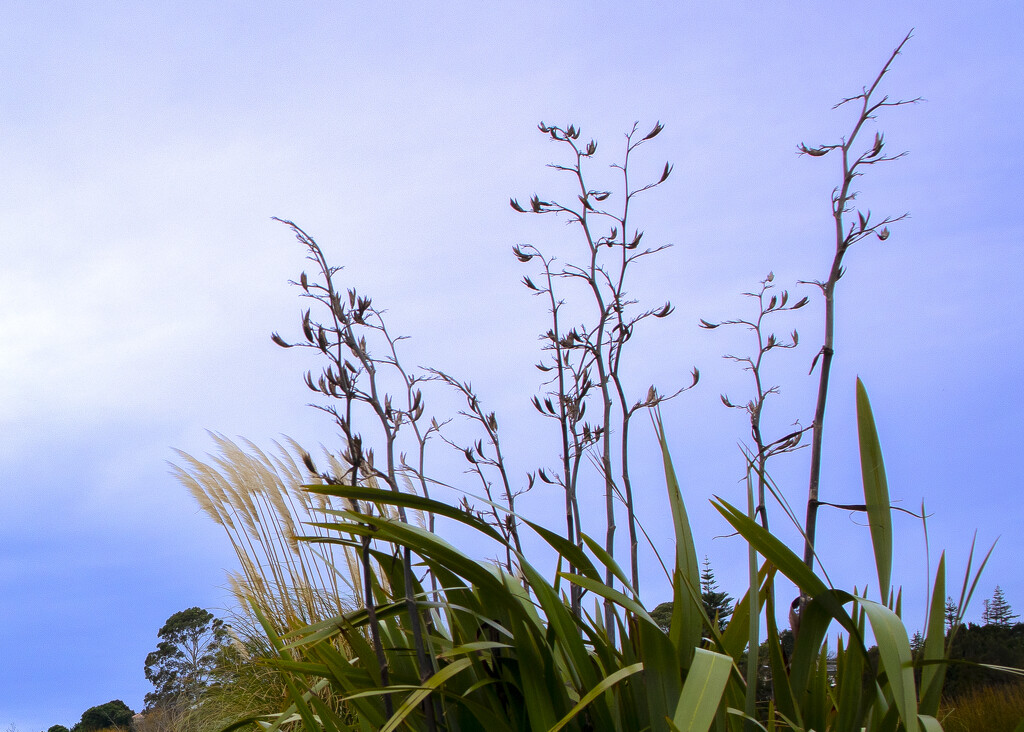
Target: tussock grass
259,501
997,708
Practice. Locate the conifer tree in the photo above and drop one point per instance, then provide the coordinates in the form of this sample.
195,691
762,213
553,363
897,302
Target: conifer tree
952,614
717,604
997,610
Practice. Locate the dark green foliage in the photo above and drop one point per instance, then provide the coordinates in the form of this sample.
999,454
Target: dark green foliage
192,644
717,604
58,728
662,615
999,645
952,614
114,714
997,610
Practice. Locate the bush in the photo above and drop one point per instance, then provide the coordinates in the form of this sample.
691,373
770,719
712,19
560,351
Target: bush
112,715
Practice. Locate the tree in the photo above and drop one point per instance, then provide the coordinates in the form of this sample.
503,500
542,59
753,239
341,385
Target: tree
952,614
994,644
114,714
192,642
917,643
717,604
662,615
997,610
58,728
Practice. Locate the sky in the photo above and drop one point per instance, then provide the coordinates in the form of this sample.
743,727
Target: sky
146,146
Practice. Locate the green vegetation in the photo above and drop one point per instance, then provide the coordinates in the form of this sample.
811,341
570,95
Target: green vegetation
112,715
357,613
986,709
410,631
187,659
997,610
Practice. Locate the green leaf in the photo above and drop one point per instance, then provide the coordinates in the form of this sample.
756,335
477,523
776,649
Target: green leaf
933,675
606,683
850,669
755,611
686,635
413,700
600,588
609,562
563,628
772,549
895,657
577,558
406,500
783,691
542,691
662,682
702,691
876,490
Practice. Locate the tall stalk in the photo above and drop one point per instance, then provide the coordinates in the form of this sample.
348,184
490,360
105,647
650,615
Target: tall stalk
587,359
768,304
353,377
847,233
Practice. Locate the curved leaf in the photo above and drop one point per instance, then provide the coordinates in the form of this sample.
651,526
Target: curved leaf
606,683
876,490
702,691
894,653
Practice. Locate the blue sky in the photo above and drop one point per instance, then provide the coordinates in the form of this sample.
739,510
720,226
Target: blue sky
146,146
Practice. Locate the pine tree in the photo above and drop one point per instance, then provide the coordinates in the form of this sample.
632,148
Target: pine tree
717,604
998,610
952,614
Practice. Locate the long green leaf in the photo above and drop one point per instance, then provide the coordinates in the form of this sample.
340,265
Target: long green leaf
543,694
753,642
406,500
894,654
414,699
687,633
850,669
876,490
662,681
564,628
605,684
772,549
933,675
600,588
609,562
702,691
577,558
783,690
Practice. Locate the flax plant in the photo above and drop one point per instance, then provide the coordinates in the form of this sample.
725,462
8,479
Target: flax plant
362,362
847,233
769,304
587,358
511,656
506,647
